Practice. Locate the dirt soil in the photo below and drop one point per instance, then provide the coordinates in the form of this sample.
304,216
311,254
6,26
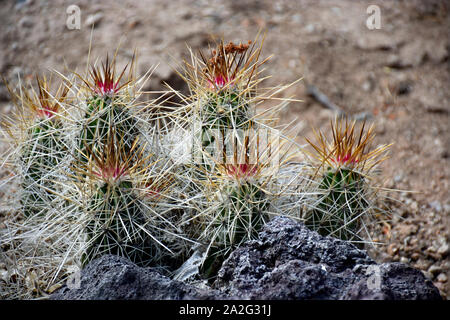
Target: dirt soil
397,76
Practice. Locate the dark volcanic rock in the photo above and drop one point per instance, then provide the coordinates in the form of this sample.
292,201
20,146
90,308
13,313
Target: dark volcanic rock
287,262
116,278
291,262
398,282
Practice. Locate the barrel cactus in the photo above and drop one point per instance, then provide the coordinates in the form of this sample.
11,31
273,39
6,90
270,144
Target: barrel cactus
240,213
115,217
223,85
345,171
40,143
107,105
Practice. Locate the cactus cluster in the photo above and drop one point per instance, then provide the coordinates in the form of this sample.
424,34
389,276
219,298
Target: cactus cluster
99,175
230,169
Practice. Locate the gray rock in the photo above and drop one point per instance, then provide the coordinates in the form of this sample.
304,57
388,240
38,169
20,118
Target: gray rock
291,262
397,282
116,278
287,262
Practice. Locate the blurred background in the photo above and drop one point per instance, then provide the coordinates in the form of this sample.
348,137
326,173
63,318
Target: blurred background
397,77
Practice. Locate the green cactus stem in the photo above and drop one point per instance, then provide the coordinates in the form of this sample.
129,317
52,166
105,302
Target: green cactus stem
342,205
102,114
117,225
40,157
241,216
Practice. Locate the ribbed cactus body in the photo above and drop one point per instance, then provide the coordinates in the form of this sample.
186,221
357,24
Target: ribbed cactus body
222,111
241,213
102,114
341,206
241,216
117,225
40,157
225,109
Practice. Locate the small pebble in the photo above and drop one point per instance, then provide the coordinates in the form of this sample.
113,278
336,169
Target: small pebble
404,260
26,22
366,86
434,269
431,249
297,18
415,256
398,178
310,28
442,277
436,205
392,250
22,3
443,250
422,264
428,275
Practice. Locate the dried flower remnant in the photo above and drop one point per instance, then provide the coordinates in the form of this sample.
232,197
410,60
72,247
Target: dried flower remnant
241,171
116,220
42,103
225,63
